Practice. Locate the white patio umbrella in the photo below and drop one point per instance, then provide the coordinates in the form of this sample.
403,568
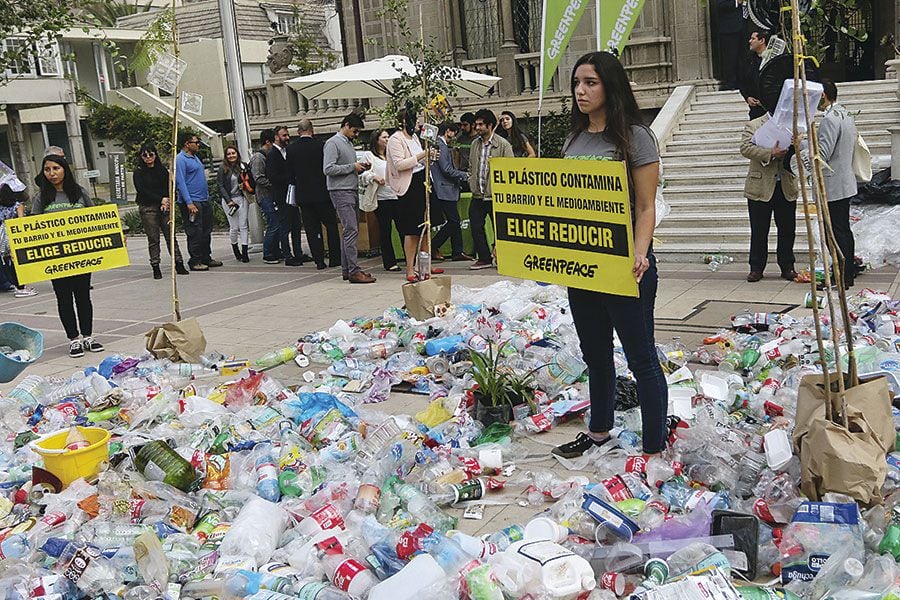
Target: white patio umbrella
374,79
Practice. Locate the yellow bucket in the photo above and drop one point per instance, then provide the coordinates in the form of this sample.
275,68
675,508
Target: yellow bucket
69,465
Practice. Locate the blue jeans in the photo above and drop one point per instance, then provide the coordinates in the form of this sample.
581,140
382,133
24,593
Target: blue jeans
596,315
271,237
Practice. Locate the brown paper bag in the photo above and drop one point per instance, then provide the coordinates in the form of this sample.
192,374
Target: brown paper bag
844,460
421,297
179,342
872,398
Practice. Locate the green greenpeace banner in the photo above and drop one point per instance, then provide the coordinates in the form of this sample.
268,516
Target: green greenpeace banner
617,18
560,19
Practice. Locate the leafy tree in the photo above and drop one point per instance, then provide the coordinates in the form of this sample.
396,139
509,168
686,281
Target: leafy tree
131,127
36,23
105,13
308,56
554,130
433,67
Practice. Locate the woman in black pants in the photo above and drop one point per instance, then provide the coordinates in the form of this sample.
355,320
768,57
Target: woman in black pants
151,181
606,125
60,192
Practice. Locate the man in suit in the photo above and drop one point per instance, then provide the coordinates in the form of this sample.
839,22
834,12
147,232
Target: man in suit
304,159
770,188
759,40
445,182
280,178
837,142
731,25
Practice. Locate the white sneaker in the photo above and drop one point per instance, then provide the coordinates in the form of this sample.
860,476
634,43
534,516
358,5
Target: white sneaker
76,350
26,292
92,345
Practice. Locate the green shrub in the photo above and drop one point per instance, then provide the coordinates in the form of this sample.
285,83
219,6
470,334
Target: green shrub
131,127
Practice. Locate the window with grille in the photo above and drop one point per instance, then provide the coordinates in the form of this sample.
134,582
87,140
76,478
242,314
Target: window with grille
527,24
48,60
287,23
22,66
480,27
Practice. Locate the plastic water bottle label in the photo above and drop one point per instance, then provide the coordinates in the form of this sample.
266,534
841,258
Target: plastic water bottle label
310,591
328,517
700,496
617,489
345,572
81,560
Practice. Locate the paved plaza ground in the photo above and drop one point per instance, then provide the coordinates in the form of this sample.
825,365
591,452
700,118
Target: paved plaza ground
249,309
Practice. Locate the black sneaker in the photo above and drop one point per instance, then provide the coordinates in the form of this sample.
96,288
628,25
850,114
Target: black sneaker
92,345
293,262
581,444
76,350
271,260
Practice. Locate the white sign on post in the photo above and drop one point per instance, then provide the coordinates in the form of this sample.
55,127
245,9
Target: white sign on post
166,72
192,103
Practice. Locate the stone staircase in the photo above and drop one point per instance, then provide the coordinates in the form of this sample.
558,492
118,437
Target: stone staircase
705,172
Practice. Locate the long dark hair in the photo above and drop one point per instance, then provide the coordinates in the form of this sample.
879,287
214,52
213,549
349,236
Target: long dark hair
621,107
373,143
9,198
157,164
236,167
70,186
515,136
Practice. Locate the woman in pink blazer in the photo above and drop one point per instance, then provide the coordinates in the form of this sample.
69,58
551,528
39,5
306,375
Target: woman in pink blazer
406,176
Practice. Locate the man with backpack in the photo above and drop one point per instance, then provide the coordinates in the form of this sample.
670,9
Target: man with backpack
263,191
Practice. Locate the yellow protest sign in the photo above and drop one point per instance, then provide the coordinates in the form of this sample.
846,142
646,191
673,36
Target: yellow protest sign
64,243
564,221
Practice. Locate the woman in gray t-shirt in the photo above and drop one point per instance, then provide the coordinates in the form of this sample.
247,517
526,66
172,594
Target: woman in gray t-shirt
607,126
59,192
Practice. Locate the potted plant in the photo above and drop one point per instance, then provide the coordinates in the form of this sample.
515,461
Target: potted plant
521,387
492,398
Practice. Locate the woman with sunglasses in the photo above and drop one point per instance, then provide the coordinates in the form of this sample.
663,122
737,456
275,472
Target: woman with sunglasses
60,192
151,180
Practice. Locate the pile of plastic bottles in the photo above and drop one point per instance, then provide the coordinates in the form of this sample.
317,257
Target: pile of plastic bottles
224,479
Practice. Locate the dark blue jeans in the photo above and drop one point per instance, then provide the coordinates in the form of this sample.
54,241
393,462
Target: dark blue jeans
270,239
596,315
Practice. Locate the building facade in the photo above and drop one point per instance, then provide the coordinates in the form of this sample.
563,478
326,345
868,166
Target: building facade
673,42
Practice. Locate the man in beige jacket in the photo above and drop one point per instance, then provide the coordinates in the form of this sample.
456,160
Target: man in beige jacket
770,188
484,147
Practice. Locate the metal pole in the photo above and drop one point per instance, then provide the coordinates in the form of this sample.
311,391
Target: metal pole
235,79
597,21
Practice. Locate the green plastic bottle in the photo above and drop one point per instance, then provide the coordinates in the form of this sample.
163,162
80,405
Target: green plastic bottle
761,593
157,460
278,357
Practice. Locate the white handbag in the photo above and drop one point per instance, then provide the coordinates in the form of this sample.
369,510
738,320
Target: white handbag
862,160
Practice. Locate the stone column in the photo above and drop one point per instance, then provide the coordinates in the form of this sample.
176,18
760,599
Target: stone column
456,29
78,158
506,61
20,155
895,152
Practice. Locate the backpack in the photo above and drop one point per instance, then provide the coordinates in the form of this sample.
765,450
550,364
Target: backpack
248,182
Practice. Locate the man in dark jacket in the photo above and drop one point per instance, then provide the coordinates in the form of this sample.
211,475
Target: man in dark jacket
731,26
280,178
272,238
304,161
758,42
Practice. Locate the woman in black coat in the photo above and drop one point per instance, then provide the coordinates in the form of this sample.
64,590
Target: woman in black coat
151,180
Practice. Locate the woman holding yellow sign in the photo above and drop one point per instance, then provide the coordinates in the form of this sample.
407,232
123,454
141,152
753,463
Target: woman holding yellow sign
59,192
606,125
